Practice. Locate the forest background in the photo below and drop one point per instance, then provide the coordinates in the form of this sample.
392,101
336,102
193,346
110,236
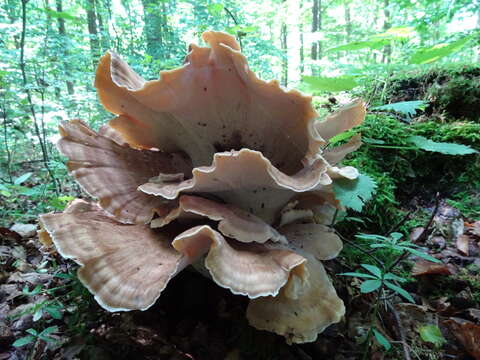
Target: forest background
415,63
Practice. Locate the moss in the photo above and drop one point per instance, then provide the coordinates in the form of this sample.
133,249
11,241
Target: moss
403,174
452,91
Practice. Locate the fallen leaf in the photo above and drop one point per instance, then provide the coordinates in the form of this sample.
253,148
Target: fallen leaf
473,228
425,267
431,334
415,234
462,244
467,333
7,234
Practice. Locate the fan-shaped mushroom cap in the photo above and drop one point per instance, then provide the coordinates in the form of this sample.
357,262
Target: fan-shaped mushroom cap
303,308
336,154
348,172
246,269
342,120
233,223
213,103
315,239
126,267
112,172
247,179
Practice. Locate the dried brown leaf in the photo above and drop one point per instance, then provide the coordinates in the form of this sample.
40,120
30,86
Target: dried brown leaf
462,244
425,267
467,333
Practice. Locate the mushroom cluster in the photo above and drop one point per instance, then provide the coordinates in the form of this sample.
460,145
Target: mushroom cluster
209,166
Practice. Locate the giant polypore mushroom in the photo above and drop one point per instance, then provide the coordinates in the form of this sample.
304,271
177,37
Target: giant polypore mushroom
209,165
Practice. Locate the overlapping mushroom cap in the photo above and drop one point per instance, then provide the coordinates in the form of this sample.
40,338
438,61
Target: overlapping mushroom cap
211,166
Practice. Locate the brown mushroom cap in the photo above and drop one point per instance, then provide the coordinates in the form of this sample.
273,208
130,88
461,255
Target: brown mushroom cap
302,310
126,267
248,180
247,152
315,239
213,103
233,223
253,270
112,172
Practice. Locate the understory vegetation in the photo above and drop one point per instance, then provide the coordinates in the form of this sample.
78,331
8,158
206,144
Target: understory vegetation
409,273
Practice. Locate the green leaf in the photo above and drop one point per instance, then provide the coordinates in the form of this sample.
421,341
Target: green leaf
326,84
407,108
382,340
400,291
54,312
390,276
397,32
431,334
370,285
49,330
373,269
37,315
354,194
215,9
24,341
32,332
359,275
22,179
441,147
433,53
376,41
371,237
421,254
359,45
35,291
61,15
396,236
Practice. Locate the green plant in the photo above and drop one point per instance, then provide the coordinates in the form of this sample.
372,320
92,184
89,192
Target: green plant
34,335
380,278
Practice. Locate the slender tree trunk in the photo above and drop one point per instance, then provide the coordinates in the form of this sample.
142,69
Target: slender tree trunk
348,22
63,35
387,50
283,40
93,31
314,28
302,50
320,45
478,37
104,33
153,29
29,95
5,140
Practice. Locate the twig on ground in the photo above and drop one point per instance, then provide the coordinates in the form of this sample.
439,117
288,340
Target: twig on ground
424,233
401,331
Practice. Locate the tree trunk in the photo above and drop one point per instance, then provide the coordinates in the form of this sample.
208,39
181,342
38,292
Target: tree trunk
29,96
104,34
92,30
283,42
348,23
302,52
314,28
153,29
63,35
387,50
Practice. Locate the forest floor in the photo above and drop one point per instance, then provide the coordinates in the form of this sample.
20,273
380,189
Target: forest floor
50,315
